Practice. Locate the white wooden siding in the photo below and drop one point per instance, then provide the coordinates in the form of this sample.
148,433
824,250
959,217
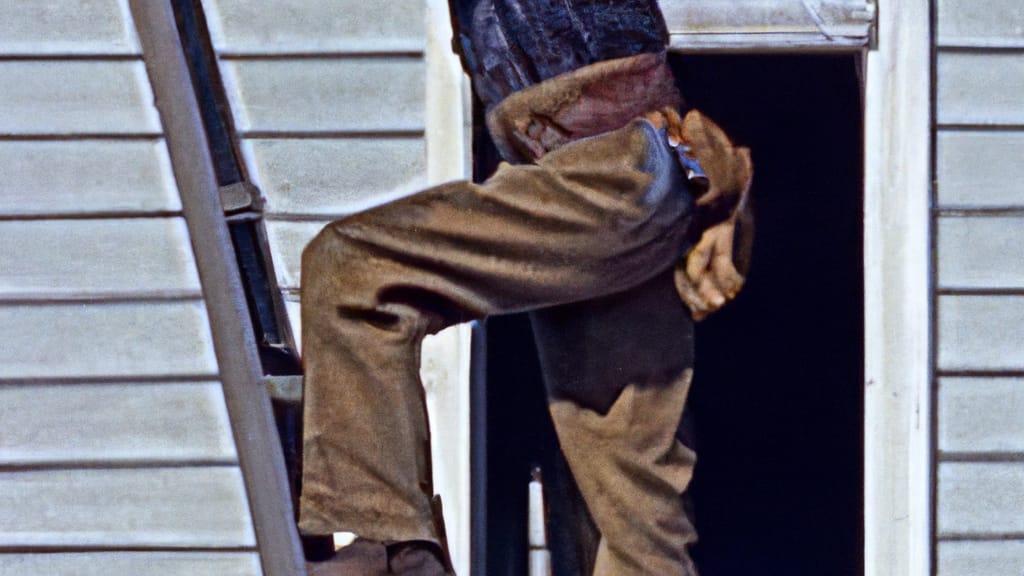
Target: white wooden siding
33,27
114,423
85,177
980,332
980,499
980,169
296,26
981,23
156,507
980,277
80,258
96,340
131,564
287,239
318,176
976,558
76,97
980,88
114,433
981,415
981,252
354,94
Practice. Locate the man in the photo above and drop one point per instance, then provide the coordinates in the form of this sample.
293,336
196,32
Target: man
604,227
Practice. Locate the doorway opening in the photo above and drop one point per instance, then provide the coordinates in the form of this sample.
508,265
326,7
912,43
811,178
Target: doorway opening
776,406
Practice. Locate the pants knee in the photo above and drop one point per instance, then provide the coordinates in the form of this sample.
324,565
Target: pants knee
331,262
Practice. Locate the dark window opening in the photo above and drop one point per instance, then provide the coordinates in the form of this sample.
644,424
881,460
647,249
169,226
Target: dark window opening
777,404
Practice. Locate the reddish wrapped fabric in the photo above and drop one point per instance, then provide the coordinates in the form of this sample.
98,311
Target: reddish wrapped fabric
585,102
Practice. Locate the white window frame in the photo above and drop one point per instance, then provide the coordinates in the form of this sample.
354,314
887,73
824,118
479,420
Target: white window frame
898,480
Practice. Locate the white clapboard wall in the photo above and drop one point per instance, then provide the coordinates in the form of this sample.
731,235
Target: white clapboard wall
980,283
116,454
341,105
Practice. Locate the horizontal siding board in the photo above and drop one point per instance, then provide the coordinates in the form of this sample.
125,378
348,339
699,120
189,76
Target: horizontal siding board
99,340
980,23
980,169
290,26
981,332
131,564
85,177
55,27
287,240
979,88
315,94
82,423
974,558
54,258
979,415
335,176
981,252
704,17
980,499
157,507
76,97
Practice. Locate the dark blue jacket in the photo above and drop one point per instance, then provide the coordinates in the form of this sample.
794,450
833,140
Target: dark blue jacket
507,45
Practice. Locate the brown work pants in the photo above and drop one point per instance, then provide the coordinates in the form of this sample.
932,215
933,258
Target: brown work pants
598,223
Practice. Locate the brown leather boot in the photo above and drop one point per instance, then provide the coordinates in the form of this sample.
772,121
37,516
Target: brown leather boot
415,558
360,558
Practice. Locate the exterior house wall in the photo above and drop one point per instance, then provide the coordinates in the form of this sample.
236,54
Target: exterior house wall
116,453
979,287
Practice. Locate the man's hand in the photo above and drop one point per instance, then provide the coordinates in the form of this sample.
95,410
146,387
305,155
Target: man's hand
667,119
708,276
707,279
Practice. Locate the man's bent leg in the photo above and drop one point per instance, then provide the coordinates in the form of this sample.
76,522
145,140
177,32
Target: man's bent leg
618,372
595,217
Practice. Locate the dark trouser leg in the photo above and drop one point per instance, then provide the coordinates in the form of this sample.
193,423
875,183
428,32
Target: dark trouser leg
593,218
618,373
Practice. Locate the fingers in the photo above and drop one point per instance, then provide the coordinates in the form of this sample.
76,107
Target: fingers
725,277
696,285
723,268
699,258
675,125
710,292
667,119
657,119
708,279
699,309
703,298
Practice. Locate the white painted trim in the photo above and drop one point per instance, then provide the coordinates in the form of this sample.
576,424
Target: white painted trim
768,25
446,356
445,374
897,443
